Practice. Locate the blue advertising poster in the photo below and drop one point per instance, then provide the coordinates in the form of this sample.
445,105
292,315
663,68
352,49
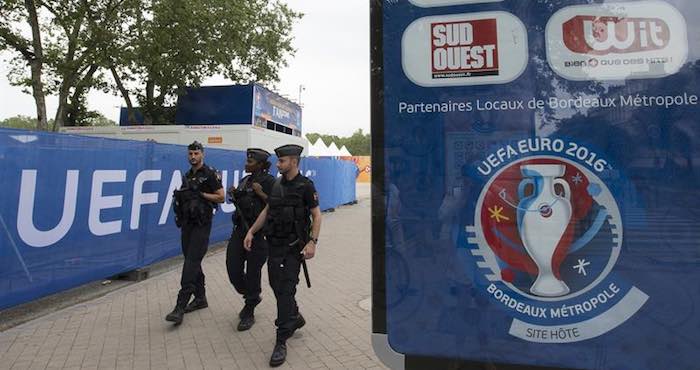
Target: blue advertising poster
272,107
536,182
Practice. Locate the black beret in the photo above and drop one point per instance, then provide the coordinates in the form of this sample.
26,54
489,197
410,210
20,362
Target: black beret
257,154
289,149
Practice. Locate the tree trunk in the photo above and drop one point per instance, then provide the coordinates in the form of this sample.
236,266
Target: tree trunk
148,108
36,64
73,115
131,115
70,76
61,112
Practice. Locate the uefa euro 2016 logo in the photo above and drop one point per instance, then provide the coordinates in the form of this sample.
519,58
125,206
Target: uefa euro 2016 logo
547,234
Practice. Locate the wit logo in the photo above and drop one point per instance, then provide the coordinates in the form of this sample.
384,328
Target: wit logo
606,35
617,41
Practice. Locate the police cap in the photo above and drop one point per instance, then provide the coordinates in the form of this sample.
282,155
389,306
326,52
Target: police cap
196,145
289,150
258,154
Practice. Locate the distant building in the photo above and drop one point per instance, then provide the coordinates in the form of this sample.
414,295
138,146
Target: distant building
230,117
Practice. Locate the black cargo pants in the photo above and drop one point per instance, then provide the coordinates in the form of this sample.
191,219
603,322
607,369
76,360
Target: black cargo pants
195,242
283,268
243,267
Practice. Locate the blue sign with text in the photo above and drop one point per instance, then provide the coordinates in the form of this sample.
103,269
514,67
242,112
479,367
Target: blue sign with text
540,184
77,209
272,107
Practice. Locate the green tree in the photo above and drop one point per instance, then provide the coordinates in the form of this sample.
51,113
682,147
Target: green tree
65,54
21,122
92,118
168,45
13,13
145,50
357,144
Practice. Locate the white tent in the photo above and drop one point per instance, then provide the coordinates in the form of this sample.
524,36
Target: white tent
333,150
318,149
344,152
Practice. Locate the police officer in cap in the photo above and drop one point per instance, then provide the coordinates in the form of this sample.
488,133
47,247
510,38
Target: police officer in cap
292,220
249,198
195,203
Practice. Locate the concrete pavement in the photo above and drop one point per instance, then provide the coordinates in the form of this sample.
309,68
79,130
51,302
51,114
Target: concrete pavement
125,328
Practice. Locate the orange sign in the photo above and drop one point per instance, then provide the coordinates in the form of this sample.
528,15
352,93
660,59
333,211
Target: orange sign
364,166
215,140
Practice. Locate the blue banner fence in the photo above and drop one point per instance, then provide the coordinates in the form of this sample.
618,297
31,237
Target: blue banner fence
79,209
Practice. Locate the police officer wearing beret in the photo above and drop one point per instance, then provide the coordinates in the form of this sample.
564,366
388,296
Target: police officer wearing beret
195,203
292,221
244,266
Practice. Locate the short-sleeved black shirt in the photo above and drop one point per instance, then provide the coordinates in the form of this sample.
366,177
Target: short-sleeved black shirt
309,193
207,178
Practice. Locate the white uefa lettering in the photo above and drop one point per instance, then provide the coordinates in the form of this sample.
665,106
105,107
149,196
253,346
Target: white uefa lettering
32,236
175,183
25,213
98,202
140,198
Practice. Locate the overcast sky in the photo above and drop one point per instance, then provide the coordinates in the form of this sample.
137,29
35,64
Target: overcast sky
331,62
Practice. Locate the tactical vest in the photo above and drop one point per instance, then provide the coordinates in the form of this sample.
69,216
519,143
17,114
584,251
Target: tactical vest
249,204
196,209
288,217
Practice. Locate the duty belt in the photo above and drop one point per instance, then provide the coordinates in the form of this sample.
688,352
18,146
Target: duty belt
280,241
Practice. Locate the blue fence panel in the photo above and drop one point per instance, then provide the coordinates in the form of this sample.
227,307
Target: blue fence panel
79,209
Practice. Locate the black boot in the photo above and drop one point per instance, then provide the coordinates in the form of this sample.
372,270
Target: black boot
197,304
279,354
246,323
247,316
300,322
249,307
176,316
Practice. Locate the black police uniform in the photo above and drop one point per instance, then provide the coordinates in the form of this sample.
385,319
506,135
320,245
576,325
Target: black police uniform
195,232
287,232
246,280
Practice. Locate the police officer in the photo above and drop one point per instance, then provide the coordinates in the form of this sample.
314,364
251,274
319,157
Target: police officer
292,220
250,198
194,208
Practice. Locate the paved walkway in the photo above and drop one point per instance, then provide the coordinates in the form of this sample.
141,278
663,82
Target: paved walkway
125,329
